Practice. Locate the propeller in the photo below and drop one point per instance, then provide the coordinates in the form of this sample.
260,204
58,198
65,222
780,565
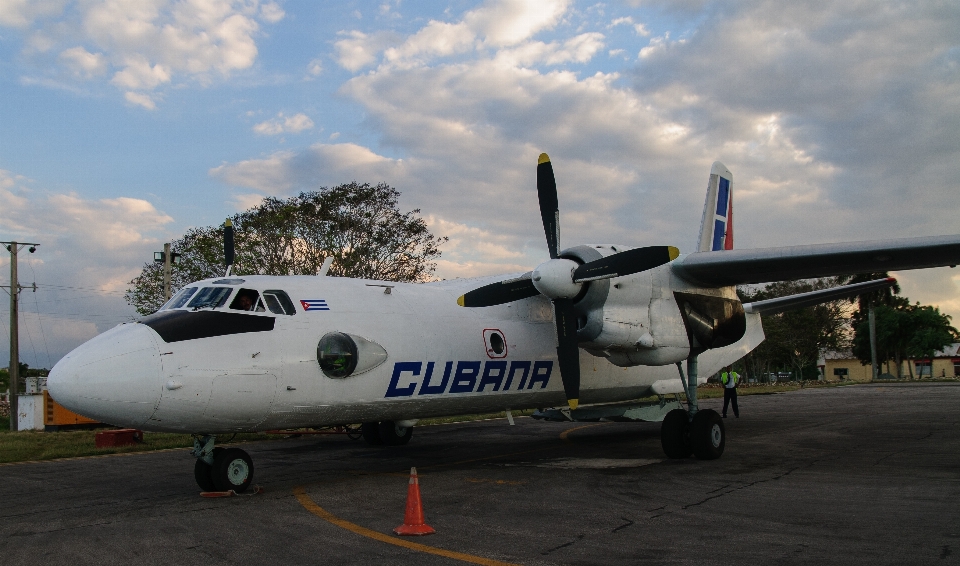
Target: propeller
562,279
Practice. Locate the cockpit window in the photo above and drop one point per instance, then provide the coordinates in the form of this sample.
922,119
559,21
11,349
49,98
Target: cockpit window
247,300
278,302
180,298
210,297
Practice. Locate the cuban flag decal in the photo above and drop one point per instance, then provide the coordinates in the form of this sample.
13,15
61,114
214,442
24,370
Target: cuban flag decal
314,305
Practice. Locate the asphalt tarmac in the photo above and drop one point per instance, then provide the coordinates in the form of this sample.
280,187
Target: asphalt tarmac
852,475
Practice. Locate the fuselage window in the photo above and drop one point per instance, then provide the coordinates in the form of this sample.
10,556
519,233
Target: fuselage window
247,300
279,302
180,298
210,297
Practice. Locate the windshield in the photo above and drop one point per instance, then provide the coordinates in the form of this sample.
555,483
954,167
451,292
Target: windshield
180,298
210,298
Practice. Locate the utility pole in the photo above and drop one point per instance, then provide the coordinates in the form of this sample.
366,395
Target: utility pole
168,260
14,248
872,321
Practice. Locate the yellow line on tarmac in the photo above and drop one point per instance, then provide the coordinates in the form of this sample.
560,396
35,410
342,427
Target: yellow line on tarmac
308,503
566,433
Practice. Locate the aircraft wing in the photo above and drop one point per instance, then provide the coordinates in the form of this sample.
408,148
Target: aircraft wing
762,265
798,301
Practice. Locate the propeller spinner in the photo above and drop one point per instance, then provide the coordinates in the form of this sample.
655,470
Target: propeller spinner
561,280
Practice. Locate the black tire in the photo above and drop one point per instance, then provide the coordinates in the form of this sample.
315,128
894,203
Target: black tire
232,469
371,433
707,435
203,473
675,434
394,435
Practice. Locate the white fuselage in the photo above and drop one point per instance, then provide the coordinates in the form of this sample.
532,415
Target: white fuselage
269,379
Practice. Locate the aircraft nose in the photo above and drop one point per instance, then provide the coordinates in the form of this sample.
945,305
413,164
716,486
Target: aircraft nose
114,378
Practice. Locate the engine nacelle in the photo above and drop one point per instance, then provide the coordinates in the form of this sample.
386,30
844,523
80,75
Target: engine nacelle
639,320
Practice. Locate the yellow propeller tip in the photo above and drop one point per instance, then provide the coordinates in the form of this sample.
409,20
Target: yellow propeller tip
674,252
544,158
573,403
460,300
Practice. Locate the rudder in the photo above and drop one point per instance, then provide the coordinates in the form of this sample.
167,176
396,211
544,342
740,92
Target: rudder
716,226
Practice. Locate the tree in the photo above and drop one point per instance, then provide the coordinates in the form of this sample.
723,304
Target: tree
359,225
796,338
904,331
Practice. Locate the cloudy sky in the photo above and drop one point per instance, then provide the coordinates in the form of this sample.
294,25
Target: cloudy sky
125,122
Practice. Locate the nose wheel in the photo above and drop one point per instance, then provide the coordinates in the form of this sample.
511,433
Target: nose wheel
221,469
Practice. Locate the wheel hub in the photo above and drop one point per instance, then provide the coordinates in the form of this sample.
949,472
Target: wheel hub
238,471
716,435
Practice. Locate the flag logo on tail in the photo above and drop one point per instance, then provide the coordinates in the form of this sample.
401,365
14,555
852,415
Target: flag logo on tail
314,304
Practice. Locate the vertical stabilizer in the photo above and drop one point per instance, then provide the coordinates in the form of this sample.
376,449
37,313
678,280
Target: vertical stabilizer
716,226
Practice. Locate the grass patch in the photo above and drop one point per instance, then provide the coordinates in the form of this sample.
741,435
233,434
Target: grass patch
35,445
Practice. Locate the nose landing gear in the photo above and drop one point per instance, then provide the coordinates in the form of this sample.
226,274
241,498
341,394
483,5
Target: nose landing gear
221,469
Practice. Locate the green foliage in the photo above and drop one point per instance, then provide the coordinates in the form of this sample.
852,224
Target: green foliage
795,339
358,225
904,331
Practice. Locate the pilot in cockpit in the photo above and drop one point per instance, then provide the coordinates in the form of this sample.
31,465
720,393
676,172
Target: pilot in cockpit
247,300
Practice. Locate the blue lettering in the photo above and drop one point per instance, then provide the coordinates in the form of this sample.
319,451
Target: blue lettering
514,366
427,389
466,377
541,374
489,377
399,368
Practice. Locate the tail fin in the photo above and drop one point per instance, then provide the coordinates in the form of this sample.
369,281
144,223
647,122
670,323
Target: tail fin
716,227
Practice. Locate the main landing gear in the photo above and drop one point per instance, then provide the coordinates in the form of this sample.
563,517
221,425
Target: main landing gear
692,431
220,469
390,433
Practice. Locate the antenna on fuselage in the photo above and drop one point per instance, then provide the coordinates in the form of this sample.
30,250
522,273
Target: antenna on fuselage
228,255
327,262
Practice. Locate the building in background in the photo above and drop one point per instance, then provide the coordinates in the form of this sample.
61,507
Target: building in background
841,366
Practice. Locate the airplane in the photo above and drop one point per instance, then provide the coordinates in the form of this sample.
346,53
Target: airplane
244,353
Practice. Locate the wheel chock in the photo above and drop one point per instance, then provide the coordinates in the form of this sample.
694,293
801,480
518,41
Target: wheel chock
230,493
413,524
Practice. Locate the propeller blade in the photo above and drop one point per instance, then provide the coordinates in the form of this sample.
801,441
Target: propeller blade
625,263
568,352
228,254
500,292
549,205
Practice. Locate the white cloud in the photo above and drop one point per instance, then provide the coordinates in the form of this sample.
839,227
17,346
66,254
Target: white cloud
22,13
284,124
495,24
89,250
140,99
357,49
146,45
82,63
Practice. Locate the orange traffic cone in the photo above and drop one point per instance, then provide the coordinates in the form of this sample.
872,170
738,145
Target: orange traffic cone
413,518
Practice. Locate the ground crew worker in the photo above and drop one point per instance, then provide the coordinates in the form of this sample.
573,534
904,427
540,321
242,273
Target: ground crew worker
729,380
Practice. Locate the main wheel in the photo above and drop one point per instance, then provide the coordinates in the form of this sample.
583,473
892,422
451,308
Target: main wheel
707,436
232,469
371,433
393,434
203,473
675,434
